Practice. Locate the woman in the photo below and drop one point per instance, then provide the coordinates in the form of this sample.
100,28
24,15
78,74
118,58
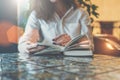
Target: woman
53,22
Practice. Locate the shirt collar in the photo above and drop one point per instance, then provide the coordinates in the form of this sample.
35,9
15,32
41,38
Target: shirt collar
69,10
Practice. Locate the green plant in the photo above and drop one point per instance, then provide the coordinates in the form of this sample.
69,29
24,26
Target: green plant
90,7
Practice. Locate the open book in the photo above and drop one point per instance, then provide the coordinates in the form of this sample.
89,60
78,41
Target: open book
76,47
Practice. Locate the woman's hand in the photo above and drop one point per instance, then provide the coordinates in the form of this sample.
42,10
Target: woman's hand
33,47
62,39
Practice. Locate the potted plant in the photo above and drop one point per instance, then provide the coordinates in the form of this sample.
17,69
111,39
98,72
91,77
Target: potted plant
90,7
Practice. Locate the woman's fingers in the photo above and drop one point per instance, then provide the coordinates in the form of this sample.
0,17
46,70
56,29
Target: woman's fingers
38,48
30,46
62,40
33,47
59,37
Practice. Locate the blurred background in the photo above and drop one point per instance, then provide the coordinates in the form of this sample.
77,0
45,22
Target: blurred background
14,15
9,30
109,18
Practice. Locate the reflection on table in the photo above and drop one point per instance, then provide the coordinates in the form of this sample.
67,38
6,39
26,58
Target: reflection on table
58,67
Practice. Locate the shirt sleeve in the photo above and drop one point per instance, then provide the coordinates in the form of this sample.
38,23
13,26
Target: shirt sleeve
85,22
33,21
86,28
31,33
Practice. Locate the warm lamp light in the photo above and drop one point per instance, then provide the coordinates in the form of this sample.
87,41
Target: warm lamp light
109,46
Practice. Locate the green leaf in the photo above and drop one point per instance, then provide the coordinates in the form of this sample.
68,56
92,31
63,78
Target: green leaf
91,8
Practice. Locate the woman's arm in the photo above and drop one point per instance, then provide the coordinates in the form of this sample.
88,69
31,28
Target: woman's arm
31,34
28,40
86,28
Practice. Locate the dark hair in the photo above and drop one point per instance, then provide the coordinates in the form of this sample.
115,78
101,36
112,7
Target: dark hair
70,3
45,9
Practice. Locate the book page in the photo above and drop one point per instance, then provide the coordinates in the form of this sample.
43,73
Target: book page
52,46
80,42
48,48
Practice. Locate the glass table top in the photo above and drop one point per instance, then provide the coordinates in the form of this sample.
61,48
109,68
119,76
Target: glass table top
57,67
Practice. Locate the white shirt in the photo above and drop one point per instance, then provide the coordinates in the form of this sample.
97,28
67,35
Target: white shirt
74,22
